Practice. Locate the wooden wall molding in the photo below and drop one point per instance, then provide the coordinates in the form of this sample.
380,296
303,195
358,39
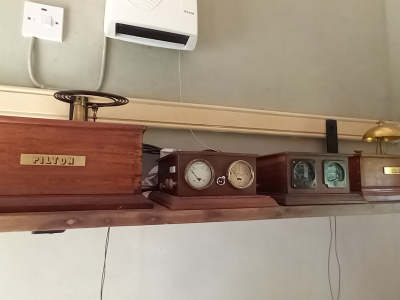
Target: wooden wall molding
32,102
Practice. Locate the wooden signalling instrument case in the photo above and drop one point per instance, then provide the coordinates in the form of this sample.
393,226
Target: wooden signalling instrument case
376,177
54,165
208,180
306,178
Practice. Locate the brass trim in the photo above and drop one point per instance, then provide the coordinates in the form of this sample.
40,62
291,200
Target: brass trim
53,160
251,170
80,106
391,170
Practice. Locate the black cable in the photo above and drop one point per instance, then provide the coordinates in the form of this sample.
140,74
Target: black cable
151,149
103,277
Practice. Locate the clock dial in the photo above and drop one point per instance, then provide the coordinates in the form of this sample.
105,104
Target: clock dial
335,174
303,174
240,174
199,174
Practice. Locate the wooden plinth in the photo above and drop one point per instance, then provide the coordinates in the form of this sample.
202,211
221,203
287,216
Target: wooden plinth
316,199
52,203
381,194
221,202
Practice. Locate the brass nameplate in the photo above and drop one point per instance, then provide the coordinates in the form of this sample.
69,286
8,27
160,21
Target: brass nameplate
53,160
391,170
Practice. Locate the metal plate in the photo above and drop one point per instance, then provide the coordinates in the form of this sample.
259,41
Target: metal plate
391,170
53,160
335,173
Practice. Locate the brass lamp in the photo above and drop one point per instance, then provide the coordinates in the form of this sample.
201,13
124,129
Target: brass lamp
381,134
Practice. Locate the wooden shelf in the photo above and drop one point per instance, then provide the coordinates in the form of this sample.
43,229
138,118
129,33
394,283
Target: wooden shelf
160,215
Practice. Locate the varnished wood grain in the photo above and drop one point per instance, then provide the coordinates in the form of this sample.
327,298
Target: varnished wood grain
113,157
180,203
274,173
46,203
220,161
318,199
161,215
367,177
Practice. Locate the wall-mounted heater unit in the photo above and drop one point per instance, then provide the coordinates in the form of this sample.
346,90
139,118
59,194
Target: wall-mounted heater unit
160,23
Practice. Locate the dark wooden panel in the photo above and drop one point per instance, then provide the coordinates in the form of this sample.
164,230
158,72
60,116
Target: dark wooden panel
180,203
113,157
219,160
354,173
272,174
275,173
275,179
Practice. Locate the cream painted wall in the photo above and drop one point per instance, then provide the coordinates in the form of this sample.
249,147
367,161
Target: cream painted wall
393,29
310,56
313,56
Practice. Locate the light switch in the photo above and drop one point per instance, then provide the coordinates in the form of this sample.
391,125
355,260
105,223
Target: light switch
47,21
43,21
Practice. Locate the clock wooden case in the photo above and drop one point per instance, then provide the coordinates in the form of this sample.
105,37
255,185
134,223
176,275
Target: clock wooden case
204,180
305,178
376,177
51,165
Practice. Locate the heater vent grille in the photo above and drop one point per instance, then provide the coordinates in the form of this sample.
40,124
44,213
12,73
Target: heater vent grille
151,34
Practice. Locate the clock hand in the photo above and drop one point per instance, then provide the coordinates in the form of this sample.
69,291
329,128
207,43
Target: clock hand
237,177
195,175
234,173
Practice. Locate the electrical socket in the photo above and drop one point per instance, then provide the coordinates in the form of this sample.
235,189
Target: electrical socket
43,21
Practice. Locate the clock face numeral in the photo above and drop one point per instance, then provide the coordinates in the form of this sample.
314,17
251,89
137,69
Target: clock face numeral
240,174
199,174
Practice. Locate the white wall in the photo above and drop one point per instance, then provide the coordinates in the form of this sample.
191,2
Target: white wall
273,259
313,56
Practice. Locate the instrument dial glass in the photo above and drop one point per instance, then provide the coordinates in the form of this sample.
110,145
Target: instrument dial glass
335,174
199,174
241,174
303,174
304,170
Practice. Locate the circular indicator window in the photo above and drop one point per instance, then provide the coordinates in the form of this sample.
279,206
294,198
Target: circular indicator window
303,176
303,170
240,174
335,174
199,174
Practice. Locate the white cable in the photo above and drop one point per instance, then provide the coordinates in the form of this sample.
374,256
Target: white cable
103,66
42,86
183,111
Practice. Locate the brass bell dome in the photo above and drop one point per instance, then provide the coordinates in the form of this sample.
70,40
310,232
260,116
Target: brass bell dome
381,134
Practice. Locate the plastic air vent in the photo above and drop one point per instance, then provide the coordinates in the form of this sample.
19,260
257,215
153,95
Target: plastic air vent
151,34
144,4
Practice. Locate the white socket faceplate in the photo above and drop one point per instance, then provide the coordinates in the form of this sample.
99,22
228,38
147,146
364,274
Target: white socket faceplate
43,21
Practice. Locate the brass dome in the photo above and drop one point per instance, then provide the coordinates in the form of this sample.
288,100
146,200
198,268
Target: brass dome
382,132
